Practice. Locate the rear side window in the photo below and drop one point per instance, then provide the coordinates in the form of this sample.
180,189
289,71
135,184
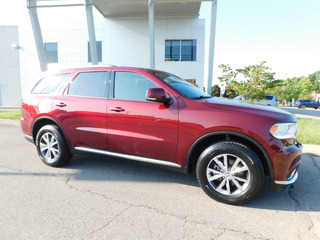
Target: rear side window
269,97
49,84
89,84
131,86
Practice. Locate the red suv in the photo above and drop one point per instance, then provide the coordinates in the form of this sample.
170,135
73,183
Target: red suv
156,117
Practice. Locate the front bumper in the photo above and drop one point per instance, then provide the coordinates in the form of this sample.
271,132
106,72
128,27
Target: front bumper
292,178
279,186
286,164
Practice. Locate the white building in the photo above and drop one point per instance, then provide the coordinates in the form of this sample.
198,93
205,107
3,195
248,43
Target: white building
10,92
122,34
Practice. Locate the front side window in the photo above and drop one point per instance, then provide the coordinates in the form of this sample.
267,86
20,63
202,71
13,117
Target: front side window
180,50
51,50
131,86
49,84
89,84
180,85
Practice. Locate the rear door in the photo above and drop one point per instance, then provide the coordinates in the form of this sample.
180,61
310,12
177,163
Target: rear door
139,127
81,109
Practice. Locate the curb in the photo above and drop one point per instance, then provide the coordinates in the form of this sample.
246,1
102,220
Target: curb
306,116
9,122
313,149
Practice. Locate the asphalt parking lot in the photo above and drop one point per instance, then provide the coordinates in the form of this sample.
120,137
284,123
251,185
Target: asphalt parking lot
108,198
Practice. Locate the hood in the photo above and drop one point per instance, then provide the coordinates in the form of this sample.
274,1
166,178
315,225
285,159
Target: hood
249,108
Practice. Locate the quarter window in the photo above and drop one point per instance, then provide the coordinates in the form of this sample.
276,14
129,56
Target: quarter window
131,86
49,84
89,84
181,50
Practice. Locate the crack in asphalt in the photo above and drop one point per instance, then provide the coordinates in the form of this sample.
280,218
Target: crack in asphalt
235,231
185,218
105,225
67,182
312,225
314,160
29,172
292,196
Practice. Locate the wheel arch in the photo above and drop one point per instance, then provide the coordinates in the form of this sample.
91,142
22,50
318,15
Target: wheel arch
203,142
42,121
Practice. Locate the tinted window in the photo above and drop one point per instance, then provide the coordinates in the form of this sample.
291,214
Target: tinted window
131,86
188,50
51,50
172,50
269,97
182,86
180,50
49,84
89,84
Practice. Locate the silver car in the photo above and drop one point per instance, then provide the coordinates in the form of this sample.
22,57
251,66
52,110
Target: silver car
269,100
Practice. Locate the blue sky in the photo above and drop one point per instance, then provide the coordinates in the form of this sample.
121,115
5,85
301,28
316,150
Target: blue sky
285,33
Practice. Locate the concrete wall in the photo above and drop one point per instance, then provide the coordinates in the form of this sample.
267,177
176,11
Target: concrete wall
125,42
10,91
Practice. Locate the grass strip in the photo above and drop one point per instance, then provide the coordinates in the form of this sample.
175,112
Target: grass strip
15,115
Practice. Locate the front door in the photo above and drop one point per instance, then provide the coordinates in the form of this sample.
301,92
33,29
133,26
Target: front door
136,126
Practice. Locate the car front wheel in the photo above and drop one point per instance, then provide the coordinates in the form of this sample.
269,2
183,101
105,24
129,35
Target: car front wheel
52,148
230,172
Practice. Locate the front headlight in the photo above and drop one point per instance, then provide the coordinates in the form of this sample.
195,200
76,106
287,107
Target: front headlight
284,130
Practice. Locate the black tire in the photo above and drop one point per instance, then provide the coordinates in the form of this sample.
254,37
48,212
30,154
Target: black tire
316,108
55,151
231,194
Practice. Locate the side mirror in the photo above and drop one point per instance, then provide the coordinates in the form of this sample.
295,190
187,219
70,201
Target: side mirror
157,95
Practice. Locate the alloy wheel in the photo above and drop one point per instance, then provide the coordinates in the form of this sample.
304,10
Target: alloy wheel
49,147
228,174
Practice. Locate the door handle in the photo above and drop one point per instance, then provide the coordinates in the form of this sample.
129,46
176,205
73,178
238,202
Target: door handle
61,104
117,109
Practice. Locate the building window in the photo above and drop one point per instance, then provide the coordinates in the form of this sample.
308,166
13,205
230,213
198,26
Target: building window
180,50
99,51
51,50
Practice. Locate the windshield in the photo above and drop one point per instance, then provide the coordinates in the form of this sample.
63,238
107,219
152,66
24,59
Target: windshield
180,85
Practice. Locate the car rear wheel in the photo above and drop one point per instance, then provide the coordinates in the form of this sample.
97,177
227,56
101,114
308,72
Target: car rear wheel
230,172
52,148
303,106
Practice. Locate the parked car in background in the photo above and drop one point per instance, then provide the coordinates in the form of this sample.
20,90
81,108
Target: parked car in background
303,103
269,100
155,117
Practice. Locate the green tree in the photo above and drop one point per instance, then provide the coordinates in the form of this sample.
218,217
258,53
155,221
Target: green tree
215,91
252,81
